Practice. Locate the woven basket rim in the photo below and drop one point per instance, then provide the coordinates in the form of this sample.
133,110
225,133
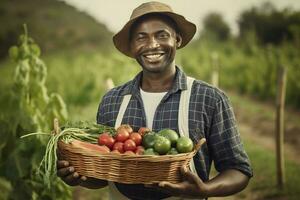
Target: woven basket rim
93,153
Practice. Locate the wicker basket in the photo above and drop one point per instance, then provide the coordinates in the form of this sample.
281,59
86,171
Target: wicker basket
123,168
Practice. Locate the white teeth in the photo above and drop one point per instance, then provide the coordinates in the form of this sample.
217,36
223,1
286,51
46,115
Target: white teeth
153,56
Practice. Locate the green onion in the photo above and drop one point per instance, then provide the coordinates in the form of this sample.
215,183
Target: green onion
86,132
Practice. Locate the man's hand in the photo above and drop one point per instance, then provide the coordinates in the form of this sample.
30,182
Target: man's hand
68,174
191,187
226,183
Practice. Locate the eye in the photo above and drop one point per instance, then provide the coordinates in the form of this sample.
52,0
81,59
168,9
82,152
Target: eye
163,35
140,37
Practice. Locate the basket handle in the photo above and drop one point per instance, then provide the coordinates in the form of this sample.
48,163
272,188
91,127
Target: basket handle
199,144
56,126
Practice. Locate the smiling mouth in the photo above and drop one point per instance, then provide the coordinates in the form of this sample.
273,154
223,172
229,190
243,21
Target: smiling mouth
153,57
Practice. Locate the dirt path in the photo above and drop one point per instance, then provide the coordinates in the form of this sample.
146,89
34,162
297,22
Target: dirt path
256,121
251,134
254,135
257,124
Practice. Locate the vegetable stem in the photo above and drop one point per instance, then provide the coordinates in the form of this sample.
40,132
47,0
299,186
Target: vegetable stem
47,167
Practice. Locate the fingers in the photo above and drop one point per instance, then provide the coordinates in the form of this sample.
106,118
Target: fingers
176,189
190,176
62,163
183,169
83,178
152,184
68,174
156,186
72,179
63,172
169,186
192,186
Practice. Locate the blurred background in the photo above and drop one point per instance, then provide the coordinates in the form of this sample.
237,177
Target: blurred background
65,61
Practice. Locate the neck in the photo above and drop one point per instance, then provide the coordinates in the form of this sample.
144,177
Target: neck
158,82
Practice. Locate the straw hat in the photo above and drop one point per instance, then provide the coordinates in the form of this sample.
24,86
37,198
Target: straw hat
187,29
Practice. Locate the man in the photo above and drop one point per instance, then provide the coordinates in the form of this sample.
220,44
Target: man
153,99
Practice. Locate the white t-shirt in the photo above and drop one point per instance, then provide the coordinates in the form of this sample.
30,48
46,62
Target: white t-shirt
151,101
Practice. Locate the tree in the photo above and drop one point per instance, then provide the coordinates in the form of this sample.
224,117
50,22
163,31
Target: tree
214,27
269,24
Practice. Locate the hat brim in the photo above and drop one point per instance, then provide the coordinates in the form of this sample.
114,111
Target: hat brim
187,31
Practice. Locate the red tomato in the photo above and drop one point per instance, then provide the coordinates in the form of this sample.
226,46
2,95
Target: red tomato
143,130
119,146
106,139
127,127
136,137
129,145
129,153
139,150
122,135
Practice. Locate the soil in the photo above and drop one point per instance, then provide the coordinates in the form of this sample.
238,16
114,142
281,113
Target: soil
261,128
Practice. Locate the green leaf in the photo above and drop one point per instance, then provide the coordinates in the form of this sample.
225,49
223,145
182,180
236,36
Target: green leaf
13,53
35,49
5,188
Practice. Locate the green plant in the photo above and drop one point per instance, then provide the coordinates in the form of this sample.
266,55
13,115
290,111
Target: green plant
28,108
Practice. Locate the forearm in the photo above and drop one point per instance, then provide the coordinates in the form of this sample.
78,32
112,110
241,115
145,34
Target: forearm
93,183
227,183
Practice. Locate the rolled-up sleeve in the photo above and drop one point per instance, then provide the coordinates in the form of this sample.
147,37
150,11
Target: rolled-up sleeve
224,140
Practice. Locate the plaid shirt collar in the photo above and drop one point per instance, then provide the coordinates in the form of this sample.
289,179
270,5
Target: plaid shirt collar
180,83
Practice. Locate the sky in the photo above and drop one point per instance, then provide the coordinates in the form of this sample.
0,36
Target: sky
115,13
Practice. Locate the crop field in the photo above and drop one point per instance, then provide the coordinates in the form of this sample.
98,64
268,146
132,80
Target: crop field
39,82
88,71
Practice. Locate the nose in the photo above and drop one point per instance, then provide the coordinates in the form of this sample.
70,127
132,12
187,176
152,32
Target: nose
153,43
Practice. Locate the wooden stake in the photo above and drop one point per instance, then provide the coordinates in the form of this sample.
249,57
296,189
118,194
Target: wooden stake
56,126
215,69
109,84
280,101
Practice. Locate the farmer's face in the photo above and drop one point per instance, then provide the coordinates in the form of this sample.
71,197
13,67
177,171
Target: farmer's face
153,44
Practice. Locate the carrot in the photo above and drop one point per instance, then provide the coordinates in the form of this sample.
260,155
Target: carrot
89,146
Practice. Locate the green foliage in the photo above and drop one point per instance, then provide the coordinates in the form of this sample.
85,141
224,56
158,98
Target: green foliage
5,188
269,24
215,28
248,68
29,87
27,107
80,78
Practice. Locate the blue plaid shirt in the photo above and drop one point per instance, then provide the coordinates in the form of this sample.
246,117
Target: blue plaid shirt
210,116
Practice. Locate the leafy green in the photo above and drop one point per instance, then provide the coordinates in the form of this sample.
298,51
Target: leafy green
28,107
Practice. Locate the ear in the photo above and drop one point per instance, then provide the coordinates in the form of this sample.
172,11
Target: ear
178,40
